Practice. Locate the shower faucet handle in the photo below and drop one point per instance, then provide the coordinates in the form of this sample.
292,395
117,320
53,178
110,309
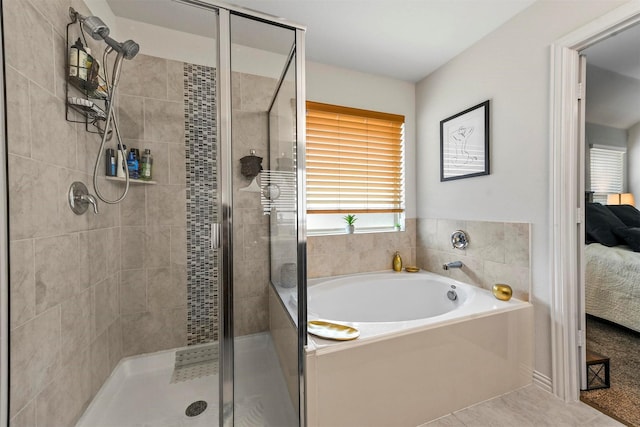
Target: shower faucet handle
88,198
80,199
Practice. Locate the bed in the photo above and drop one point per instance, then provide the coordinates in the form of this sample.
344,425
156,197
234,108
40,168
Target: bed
613,284
612,255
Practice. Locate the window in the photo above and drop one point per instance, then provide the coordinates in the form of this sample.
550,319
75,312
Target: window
355,165
607,171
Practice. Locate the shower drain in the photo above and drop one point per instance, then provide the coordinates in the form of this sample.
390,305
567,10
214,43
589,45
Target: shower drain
196,408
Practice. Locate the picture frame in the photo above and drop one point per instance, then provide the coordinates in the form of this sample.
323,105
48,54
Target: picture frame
464,144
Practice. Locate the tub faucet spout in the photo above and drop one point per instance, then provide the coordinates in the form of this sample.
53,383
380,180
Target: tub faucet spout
454,264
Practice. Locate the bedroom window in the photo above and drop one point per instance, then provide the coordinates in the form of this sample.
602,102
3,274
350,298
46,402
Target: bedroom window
355,165
607,171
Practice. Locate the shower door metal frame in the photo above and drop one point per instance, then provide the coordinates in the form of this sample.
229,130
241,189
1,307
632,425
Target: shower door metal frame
225,292
301,132
4,244
224,117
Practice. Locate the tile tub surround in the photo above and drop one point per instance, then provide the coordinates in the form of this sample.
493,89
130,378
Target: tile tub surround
498,252
340,254
284,335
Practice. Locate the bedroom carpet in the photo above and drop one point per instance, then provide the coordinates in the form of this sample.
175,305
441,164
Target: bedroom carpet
622,346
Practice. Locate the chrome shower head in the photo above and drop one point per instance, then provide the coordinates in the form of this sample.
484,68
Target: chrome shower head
99,31
94,25
128,49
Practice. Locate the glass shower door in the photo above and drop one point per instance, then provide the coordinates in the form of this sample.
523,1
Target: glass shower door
265,373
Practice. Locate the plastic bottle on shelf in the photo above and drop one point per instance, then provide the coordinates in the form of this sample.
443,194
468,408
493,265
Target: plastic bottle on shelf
146,165
120,165
132,164
110,162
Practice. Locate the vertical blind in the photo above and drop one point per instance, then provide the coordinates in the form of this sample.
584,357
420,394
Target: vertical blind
354,160
607,170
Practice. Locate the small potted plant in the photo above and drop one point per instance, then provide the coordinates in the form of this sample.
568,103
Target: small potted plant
350,220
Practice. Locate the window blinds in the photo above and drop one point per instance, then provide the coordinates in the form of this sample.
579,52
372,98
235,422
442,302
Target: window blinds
354,160
607,170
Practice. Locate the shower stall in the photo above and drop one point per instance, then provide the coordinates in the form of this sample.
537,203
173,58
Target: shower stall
156,311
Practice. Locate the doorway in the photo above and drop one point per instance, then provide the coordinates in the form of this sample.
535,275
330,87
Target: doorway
610,263
567,197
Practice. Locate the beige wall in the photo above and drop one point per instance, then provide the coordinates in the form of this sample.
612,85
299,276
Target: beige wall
510,66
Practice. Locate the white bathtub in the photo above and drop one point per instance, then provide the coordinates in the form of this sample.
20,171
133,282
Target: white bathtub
387,303
386,297
419,355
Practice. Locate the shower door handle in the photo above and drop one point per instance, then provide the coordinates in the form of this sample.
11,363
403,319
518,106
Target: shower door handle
215,236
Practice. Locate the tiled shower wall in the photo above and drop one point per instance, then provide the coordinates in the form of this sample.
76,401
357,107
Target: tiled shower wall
78,282
251,95
498,252
161,305
153,281
64,269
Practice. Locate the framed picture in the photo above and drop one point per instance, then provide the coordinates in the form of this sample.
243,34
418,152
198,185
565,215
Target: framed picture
464,144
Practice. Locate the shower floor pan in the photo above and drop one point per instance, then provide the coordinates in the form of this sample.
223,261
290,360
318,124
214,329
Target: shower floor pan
140,391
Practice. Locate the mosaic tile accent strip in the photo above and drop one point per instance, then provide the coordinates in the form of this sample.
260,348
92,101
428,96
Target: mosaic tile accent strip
202,261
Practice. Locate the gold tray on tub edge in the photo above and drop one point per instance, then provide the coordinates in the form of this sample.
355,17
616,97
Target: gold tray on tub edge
332,331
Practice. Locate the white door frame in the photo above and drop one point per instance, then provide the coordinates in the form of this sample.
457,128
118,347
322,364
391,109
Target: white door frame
566,309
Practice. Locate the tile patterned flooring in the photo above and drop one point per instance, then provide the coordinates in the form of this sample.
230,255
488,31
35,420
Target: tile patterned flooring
528,406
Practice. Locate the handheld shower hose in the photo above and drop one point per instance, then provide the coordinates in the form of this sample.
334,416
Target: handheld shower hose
111,118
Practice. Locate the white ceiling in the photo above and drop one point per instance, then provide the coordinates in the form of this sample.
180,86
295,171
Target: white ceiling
403,39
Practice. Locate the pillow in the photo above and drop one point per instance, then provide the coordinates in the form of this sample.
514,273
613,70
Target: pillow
600,225
630,235
627,214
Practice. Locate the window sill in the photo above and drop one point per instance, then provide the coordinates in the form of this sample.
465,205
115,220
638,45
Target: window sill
339,231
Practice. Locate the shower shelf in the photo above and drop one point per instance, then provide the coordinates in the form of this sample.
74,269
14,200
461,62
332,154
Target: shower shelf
131,180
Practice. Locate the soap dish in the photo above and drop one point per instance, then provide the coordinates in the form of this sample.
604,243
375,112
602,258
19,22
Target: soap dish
411,269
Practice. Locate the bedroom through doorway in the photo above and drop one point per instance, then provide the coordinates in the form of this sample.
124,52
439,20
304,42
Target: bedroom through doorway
611,252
